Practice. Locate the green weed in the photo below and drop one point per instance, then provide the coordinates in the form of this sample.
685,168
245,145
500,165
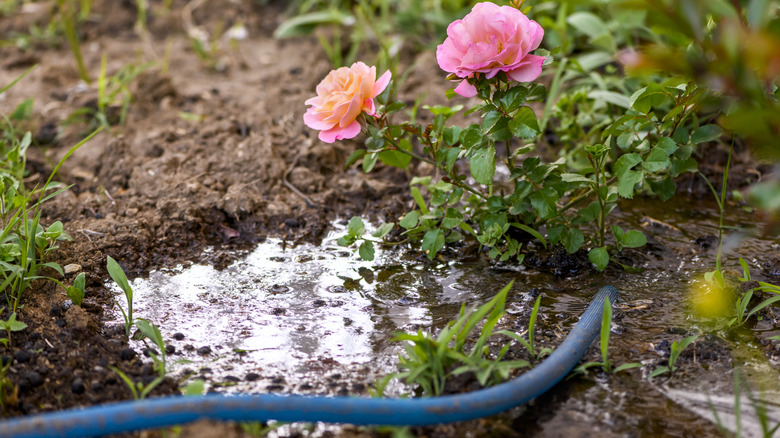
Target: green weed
674,354
429,361
529,344
10,325
119,277
605,364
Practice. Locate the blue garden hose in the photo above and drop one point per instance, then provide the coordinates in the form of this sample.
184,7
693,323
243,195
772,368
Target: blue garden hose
161,412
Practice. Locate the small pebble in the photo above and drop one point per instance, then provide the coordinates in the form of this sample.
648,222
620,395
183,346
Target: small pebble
34,378
232,379
77,386
22,356
170,349
127,354
178,336
67,304
189,347
204,351
251,377
71,268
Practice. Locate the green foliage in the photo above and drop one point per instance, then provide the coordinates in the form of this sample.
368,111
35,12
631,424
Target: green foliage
743,301
674,354
151,331
605,364
113,97
429,361
529,344
138,389
119,277
355,232
76,292
10,325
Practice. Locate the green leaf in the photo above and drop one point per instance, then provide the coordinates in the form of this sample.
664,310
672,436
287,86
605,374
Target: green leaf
383,230
544,202
706,133
627,182
658,371
682,166
588,24
433,242
634,239
657,160
23,111
575,177
452,218
356,228
513,98
572,239
409,220
483,165
524,123
490,120
610,97
366,250
369,161
12,325
471,136
664,189
667,144
118,275
627,366
625,163
599,257
451,135
306,23
396,158
647,98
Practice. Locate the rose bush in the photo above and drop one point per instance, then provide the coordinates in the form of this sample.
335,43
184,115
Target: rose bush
341,97
488,40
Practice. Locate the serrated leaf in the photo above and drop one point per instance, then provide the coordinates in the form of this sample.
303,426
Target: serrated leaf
667,144
544,202
513,98
706,133
627,182
650,97
483,165
490,120
599,257
657,160
471,136
575,177
524,123
625,163
451,135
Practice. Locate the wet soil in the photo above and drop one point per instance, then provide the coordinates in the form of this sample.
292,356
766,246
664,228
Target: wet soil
202,170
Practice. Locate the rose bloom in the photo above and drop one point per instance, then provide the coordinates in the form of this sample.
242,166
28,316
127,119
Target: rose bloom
488,40
341,97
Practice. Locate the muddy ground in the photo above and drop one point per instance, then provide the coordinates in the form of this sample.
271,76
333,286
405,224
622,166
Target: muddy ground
206,158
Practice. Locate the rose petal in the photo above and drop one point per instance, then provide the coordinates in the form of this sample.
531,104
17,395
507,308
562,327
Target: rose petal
529,70
338,133
465,89
381,84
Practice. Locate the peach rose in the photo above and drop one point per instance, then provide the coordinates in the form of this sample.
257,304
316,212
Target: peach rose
341,97
490,39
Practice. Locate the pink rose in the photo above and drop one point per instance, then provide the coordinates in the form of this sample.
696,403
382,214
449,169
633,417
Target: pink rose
488,40
341,97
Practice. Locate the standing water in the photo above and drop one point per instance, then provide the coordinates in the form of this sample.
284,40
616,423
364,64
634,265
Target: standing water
318,320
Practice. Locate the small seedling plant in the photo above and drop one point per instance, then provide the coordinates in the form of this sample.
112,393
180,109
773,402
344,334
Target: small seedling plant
119,277
529,344
428,361
743,301
674,354
605,364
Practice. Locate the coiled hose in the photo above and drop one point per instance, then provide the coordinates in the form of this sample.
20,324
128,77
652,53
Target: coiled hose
161,412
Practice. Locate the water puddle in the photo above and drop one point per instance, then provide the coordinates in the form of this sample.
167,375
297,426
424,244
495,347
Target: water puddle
317,319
